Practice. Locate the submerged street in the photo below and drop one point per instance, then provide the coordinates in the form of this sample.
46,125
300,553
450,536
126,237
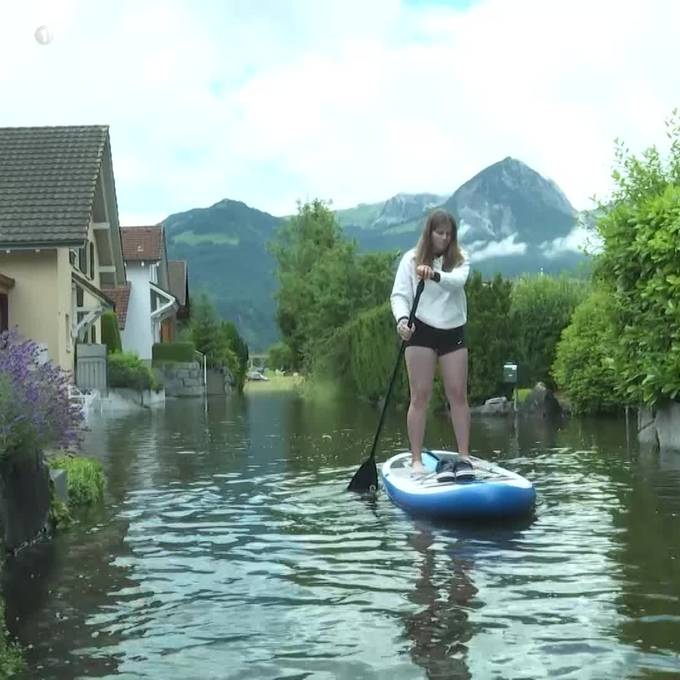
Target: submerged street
228,548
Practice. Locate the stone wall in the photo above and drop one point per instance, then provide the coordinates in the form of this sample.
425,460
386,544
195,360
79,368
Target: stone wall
660,426
181,379
24,498
123,399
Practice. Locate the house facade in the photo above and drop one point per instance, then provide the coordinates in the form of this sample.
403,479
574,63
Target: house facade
60,242
178,273
150,303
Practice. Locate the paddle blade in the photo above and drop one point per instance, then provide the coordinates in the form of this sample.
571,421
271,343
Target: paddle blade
366,478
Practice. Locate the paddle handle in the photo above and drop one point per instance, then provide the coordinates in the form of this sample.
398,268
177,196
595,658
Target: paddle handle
402,348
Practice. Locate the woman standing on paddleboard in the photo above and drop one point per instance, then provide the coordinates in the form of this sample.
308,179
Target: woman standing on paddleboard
438,333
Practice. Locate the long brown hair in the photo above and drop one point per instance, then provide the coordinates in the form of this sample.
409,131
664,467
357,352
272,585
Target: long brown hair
424,252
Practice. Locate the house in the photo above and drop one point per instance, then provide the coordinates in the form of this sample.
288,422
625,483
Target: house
179,287
149,301
60,243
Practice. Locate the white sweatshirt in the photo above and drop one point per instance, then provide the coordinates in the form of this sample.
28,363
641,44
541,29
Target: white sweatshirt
443,304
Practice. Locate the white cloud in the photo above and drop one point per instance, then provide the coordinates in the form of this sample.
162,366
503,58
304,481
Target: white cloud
581,239
481,250
270,102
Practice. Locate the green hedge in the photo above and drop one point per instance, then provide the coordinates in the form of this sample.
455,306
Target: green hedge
373,346
641,268
173,351
126,369
541,308
111,332
584,363
361,355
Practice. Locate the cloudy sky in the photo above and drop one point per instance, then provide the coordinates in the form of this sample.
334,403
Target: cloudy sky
275,101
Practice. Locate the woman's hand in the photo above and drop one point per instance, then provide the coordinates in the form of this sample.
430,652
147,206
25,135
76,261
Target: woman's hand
424,272
403,329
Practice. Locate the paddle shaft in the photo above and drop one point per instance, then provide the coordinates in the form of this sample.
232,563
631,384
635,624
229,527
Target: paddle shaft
402,348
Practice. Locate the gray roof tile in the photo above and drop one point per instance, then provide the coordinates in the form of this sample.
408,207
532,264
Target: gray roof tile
48,177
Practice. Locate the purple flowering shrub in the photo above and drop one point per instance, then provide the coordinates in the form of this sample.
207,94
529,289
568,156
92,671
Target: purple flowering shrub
35,409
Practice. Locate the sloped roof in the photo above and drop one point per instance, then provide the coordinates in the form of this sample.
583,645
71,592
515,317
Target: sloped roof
48,177
121,298
142,243
177,273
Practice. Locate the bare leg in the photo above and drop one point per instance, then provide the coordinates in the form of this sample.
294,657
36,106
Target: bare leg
421,363
454,368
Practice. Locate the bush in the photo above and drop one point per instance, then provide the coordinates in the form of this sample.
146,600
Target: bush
373,348
584,365
111,332
640,268
173,351
541,309
11,660
281,356
126,369
489,335
85,478
234,353
35,408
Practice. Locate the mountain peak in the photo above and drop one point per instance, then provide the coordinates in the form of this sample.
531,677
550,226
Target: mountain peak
508,197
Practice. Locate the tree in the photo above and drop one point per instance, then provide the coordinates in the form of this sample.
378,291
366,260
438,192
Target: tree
235,353
323,281
205,329
219,340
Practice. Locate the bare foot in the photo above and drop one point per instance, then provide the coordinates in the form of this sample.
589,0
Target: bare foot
417,467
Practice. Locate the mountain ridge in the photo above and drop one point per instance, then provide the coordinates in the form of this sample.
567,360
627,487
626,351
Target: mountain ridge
511,220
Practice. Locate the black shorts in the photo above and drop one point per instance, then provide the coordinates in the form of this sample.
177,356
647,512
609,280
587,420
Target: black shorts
441,340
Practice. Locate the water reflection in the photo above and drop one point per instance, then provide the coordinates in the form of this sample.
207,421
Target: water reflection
443,593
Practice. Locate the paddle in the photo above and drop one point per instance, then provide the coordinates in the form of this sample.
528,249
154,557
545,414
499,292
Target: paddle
366,477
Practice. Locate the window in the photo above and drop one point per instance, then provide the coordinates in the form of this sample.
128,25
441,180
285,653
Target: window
68,332
93,334
80,302
91,260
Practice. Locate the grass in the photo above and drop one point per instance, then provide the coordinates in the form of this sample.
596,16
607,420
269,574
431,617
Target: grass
11,660
192,239
85,478
522,394
276,383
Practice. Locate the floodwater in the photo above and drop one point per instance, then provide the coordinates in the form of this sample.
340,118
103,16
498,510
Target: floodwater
228,548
